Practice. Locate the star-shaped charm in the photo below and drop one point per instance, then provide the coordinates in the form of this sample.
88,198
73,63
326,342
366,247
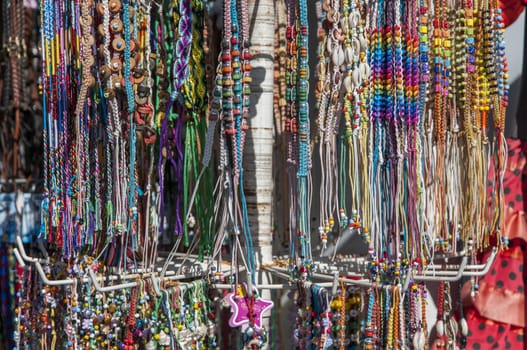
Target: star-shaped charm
240,310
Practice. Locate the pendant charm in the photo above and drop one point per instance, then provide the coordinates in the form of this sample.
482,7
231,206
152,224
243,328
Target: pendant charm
419,340
440,328
464,327
244,309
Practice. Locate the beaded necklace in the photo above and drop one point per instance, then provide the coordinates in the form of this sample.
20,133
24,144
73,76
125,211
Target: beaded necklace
234,110
18,61
304,316
197,103
417,50
117,73
357,74
124,319
327,119
499,102
119,225
339,317
291,124
231,105
304,154
321,320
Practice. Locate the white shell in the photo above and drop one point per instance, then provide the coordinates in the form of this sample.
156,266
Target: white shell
200,331
363,71
344,24
363,43
464,327
191,221
211,329
440,328
329,46
354,19
164,339
355,44
419,340
338,56
185,342
347,83
453,325
349,54
150,345
356,77
367,71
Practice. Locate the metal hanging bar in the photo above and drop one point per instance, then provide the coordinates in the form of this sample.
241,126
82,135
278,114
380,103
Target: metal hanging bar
49,282
434,272
442,277
98,287
18,257
22,251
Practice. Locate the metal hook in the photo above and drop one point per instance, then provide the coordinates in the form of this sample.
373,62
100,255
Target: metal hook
98,287
484,268
156,284
18,257
22,251
335,283
49,282
442,277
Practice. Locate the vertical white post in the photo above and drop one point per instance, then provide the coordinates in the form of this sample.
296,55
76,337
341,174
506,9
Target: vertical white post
258,172
258,157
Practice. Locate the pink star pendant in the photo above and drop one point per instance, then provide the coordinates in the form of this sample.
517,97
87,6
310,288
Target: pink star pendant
240,310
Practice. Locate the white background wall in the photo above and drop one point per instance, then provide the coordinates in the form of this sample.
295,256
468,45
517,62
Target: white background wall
514,52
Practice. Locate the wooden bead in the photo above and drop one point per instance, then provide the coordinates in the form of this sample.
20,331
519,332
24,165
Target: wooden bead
114,6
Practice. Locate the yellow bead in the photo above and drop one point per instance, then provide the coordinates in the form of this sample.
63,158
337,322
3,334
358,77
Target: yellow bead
157,336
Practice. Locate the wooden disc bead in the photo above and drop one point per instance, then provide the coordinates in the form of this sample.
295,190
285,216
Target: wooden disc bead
114,5
116,64
116,26
105,72
118,44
